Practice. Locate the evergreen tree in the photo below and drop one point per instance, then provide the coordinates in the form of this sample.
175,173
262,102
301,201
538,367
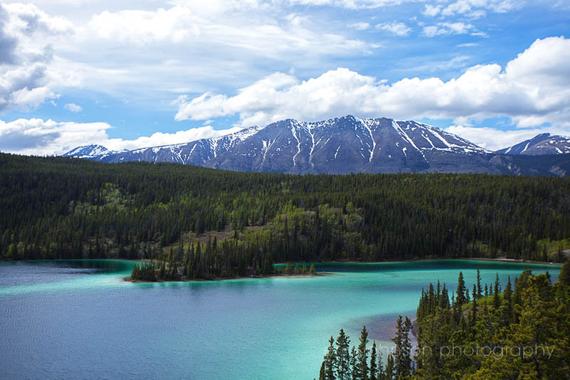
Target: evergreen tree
354,364
402,351
479,289
343,357
474,308
461,291
390,368
329,363
373,363
496,293
362,365
508,302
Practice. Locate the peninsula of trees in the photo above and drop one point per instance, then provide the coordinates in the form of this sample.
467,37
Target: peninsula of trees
227,223
519,332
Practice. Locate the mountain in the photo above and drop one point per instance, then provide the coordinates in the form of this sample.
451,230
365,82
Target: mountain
336,146
542,144
87,151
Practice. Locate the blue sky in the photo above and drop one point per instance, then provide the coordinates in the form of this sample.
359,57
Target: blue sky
128,74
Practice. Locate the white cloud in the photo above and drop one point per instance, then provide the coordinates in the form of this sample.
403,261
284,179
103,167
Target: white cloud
532,89
109,46
27,18
175,25
23,87
192,46
432,10
360,26
447,28
396,28
470,8
25,54
72,107
351,4
47,137
44,137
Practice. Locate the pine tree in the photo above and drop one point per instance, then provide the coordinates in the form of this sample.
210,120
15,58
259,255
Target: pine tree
479,289
390,368
508,302
330,362
322,372
362,365
496,293
461,291
402,351
342,365
354,364
474,308
373,363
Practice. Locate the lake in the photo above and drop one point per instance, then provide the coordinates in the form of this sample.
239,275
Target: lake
81,320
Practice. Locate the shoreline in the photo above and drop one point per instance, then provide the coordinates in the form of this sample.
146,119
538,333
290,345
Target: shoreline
489,259
318,274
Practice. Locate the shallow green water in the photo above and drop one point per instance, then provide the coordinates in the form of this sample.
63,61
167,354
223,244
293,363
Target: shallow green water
80,320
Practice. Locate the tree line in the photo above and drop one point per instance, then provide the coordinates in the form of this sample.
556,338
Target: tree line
66,208
483,332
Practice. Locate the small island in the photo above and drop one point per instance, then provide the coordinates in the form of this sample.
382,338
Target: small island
227,259
160,271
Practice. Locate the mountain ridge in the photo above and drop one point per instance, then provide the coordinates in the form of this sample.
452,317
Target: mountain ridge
541,144
341,145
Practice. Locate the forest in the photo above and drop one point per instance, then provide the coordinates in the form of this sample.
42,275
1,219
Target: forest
480,333
230,224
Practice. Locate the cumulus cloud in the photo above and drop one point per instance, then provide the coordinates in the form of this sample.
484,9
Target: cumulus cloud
48,137
191,46
28,19
23,87
43,137
533,88
8,43
470,8
396,28
25,54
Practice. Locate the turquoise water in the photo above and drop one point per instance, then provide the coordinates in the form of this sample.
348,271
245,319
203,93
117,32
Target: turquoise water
80,320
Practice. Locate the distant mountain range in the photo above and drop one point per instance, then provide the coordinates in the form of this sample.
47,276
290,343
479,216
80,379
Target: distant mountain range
349,145
540,145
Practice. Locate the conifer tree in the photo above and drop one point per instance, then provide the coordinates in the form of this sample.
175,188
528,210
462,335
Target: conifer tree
362,365
390,368
461,291
342,364
402,351
496,293
373,363
508,302
330,362
354,364
474,308
479,289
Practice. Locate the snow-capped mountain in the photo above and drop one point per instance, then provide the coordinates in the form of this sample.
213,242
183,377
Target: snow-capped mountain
542,144
341,145
87,151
